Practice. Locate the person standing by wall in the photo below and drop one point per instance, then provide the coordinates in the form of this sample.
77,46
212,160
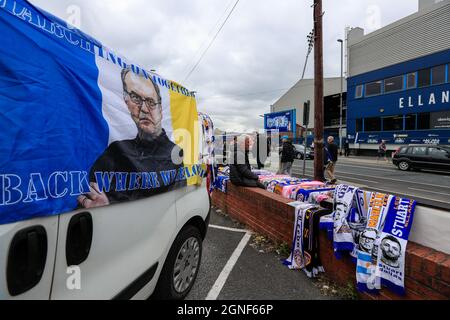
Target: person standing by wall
287,156
346,148
332,157
382,151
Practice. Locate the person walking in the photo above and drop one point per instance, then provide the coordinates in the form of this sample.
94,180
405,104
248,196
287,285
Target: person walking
331,158
382,151
287,157
346,148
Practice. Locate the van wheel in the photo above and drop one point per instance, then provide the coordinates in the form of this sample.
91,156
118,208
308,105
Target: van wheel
181,267
404,166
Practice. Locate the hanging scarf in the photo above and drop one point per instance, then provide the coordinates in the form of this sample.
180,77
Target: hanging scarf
297,258
358,218
311,241
367,279
343,202
392,246
305,245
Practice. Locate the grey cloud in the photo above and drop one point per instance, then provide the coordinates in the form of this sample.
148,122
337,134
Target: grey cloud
260,50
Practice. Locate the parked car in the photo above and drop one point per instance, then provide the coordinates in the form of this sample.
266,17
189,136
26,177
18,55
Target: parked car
300,151
433,157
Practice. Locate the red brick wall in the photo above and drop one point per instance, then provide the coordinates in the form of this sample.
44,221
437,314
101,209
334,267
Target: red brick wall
427,270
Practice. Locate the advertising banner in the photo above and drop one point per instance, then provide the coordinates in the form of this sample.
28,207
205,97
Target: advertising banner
440,120
282,121
83,127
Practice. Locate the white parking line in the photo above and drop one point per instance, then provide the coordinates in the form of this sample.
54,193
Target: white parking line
227,229
222,279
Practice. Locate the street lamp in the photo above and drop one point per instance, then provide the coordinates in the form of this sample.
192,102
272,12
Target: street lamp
342,89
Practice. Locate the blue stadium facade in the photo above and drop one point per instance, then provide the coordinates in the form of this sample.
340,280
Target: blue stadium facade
402,104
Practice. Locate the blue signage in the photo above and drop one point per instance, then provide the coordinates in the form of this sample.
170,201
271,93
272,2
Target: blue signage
282,121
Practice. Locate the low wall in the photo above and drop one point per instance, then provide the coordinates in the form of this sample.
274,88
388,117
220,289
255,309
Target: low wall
427,270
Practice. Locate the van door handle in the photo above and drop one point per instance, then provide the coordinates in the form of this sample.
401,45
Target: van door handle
26,260
79,238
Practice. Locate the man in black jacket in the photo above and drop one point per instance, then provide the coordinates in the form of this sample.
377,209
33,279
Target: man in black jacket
331,159
287,157
240,170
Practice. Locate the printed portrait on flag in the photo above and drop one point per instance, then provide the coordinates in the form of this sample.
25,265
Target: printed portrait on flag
132,169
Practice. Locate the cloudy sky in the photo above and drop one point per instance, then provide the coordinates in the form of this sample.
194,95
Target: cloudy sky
257,56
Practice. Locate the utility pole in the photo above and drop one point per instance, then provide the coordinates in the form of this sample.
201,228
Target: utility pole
342,94
318,92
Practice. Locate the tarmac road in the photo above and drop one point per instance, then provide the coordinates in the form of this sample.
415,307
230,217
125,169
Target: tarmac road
430,188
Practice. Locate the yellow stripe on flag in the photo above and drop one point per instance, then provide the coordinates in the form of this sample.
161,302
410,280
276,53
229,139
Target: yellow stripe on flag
185,130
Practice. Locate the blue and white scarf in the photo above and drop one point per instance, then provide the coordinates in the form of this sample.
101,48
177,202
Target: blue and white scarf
392,246
366,275
343,202
358,218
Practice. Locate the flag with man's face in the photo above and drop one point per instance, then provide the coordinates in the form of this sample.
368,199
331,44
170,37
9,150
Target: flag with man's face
65,102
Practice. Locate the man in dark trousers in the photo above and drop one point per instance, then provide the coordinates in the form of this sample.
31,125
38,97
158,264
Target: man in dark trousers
347,148
331,159
240,170
287,157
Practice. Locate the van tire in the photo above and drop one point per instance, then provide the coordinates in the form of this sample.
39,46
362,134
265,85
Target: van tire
166,289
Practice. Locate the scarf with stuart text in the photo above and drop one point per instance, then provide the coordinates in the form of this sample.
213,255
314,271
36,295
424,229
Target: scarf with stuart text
393,242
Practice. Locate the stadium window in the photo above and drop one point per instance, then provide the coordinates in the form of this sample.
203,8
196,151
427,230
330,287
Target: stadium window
438,75
393,84
411,80
359,92
410,122
424,78
372,124
359,127
373,88
423,121
393,123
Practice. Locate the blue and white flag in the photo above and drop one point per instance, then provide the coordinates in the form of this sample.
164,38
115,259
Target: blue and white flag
81,125
366,275
343,203
393,242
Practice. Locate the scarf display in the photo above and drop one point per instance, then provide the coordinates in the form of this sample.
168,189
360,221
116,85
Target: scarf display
358,218
311,241
393,242
366,277
308,194
296,260
343,202
286,188
306,243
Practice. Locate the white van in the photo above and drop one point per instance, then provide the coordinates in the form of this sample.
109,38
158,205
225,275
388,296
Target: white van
66,101
124,251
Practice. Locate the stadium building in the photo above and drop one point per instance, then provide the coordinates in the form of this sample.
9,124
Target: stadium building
398,81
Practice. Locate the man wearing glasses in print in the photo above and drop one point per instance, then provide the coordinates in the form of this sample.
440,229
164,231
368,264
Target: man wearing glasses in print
139,161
